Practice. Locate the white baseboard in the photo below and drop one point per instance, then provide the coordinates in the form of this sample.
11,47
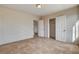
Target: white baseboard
11,41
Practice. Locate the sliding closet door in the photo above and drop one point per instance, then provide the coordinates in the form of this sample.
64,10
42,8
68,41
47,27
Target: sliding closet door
61,28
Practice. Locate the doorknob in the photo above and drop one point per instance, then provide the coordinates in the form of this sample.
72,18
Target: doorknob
64,30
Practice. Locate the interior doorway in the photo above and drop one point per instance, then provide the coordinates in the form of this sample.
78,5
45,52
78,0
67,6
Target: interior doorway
35,26
52,28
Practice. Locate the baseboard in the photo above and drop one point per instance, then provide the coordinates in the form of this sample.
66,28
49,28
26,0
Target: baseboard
9,42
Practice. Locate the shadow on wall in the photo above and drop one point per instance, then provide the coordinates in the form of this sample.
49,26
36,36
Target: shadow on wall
76,33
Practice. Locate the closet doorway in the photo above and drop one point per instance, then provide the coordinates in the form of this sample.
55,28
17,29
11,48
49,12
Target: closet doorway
52,27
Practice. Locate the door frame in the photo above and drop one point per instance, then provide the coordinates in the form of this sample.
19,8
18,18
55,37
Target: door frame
49,27
34,28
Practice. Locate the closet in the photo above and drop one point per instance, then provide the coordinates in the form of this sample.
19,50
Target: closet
64,27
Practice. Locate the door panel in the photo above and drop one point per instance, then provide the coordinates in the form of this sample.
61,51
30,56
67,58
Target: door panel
61,28
41,28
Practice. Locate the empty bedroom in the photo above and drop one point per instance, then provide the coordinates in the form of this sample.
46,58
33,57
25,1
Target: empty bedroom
39,28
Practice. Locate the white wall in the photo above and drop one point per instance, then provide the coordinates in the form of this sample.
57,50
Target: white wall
46,27
15,25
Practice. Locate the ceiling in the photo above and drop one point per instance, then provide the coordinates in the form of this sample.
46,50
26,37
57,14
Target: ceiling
47,9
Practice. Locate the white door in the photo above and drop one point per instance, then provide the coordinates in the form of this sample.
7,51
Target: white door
61,28
41,28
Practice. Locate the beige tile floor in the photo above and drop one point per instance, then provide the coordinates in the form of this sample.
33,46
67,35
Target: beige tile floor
39,46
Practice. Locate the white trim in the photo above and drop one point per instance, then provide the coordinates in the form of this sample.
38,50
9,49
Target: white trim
48,28
55,28
17,40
